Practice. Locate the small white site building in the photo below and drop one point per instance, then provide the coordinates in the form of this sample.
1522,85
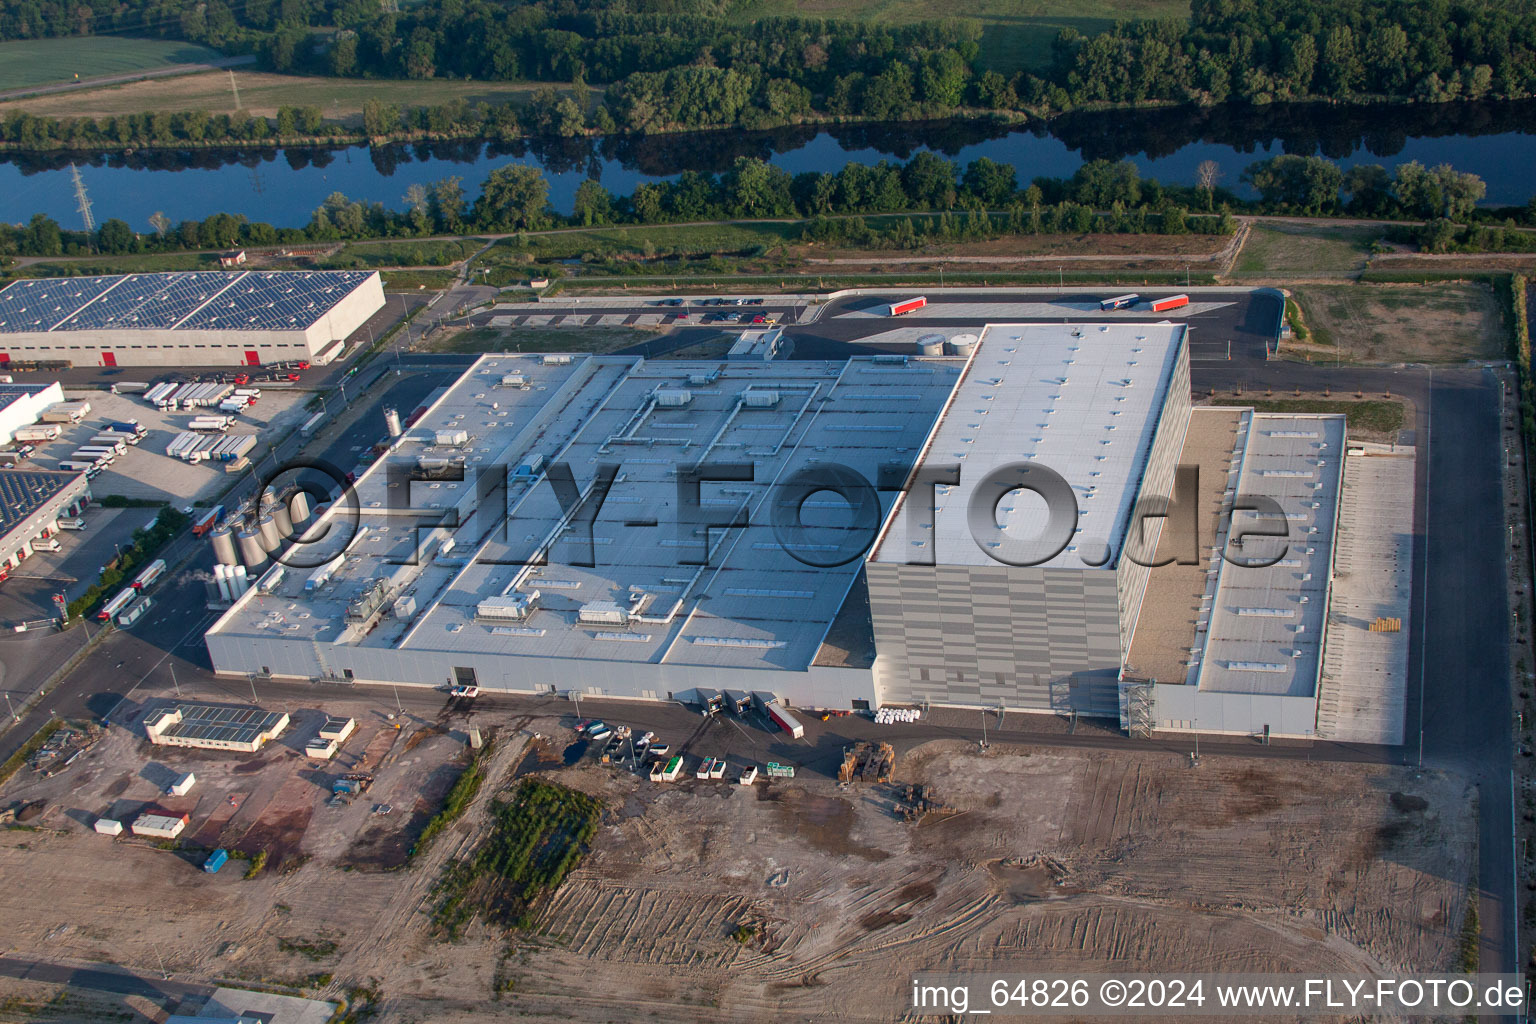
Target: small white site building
160,826
183,785
109,826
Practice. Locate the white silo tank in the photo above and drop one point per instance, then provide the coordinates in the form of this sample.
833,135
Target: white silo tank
224,546
930,345
271,540
392,422
298,508
241,582
964,344
221,577
281,518
250,548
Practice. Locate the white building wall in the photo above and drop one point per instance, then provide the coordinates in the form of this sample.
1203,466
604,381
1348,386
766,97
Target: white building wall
24,411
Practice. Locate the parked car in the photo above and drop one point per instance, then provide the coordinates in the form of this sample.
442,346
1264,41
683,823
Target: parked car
600,733
754,302
659,749
592,726
465,691
759,319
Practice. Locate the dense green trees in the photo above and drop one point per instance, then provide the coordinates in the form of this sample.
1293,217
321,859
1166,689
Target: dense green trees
979,200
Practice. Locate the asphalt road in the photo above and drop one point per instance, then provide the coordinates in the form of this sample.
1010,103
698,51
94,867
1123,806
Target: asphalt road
1459,662
101,978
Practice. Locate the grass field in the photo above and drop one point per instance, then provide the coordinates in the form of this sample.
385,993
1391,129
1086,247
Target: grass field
1439,323
659,240
31,62
1306,249
1015,33
1374,416
340,99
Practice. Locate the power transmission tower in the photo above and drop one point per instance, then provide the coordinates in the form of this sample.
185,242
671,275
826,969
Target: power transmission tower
82,201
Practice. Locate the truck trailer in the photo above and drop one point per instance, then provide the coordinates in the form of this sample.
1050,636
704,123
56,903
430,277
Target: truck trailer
1120,302
151,572
1170,302
907,305
207,521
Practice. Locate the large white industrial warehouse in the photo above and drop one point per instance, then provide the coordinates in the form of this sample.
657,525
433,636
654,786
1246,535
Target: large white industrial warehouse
196,318
840,534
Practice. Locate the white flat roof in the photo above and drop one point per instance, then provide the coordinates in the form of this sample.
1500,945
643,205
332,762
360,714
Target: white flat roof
754,605
1265,629
1081,399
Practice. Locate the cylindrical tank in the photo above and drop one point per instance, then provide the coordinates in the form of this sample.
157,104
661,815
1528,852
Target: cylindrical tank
221,577
251,550
224,546
392,421
281,518
240,582
963,344
930,345
271,540
298,507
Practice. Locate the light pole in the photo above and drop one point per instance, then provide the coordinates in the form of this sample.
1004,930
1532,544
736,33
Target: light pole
400,708
14,716
250,677
174,684
983,730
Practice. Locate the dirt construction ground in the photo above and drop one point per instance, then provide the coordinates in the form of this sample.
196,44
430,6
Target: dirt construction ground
1359,323
1039,859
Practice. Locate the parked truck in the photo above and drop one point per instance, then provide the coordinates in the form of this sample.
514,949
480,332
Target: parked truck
151,572
907,305
778,714
117,604
208,520
39,432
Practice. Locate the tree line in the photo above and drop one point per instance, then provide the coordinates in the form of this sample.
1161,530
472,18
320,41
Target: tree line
678,64
1102,195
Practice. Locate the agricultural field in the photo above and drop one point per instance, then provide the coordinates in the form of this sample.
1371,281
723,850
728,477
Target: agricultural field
339,99
1306,249
1360,323
29,62
1015,33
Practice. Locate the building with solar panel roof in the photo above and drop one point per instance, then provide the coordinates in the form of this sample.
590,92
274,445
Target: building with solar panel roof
31,504
194,318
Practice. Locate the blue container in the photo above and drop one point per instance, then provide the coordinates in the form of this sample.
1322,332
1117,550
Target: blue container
216,860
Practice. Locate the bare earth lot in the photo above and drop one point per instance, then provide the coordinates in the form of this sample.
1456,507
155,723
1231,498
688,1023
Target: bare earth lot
1058,860
1441,323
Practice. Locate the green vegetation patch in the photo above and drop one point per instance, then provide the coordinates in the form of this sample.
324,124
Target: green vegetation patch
458,799
537,838
30,62
1377,416
1306,249
15,761
140,549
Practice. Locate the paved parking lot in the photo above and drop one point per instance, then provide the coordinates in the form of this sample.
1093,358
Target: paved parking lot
28,593
146,471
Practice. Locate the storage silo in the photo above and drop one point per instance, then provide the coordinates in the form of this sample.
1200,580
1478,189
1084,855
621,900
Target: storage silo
964,344
271,540
221,577
392,422
240,581
224,546
298,508
284,522
251,550
930,345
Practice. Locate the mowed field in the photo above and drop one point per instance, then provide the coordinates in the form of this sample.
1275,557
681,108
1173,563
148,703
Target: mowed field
261,93
1015,33
30,62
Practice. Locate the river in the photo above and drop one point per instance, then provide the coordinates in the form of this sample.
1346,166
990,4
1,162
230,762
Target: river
282,186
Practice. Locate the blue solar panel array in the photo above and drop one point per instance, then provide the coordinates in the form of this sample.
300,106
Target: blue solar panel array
148,301
40,304
195,301
276,301
9,393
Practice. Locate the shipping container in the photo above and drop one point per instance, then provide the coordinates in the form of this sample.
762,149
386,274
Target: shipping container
1120,301
109,827
216,860
907,305
183,785
159,826
1171,302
